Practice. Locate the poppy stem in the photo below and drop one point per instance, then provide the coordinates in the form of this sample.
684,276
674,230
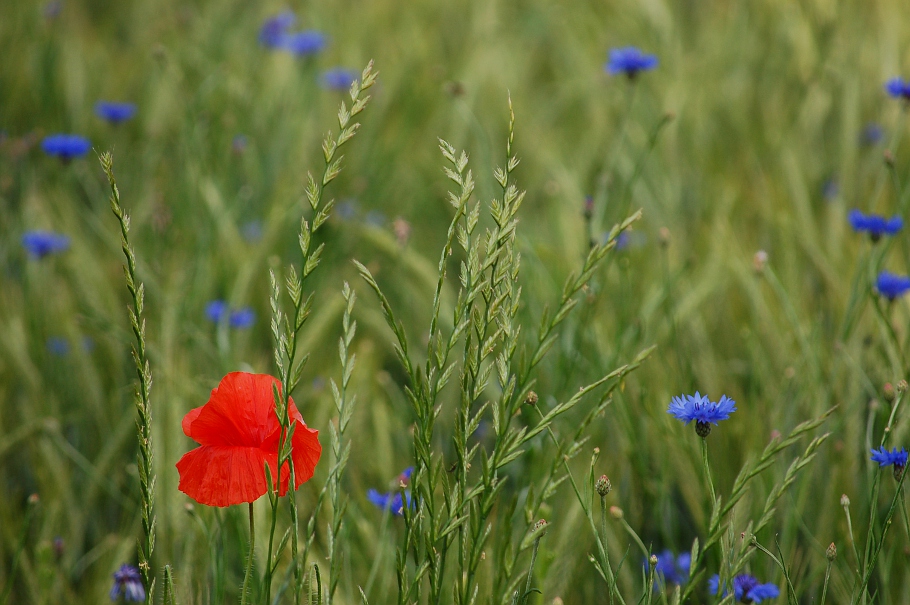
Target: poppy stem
245,591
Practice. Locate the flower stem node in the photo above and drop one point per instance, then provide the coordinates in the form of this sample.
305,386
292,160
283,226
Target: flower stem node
603,486
831,553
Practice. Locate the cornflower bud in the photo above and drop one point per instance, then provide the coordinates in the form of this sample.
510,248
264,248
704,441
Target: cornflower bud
616,512
531,398
889,392
831,553
902,386
603,486
844,500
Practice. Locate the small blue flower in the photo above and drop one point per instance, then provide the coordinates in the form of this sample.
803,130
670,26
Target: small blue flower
304,43
251,231
275,28
57,346
128,584
898,88
242,318
65,146
872,134
892,286
746,589
885,458
622,240
393,500
675,570
115,113
830,189
52,9
238,144
41,243
702,410
874,224
375,218
347,209
629,61
216,310
338,78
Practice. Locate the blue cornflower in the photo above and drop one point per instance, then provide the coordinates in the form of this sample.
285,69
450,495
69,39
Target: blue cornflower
871,134
338,78
65,146
57,346
242,318
675,570
115,113
830,189
898,88
251,231
41,243
892,286
303,43
622,240
874,224
216,310
128,584
393,500
896,458
239,143
702,410
629,60
275,28
375,218
746,589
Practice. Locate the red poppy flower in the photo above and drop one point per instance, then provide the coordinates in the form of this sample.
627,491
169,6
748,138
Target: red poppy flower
238,432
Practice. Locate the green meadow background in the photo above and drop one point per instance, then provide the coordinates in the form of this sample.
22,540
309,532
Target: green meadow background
747,137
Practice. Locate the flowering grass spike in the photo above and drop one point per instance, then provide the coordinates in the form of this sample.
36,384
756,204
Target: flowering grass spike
746,589
702,410
629,61
238,432
892,286
874,224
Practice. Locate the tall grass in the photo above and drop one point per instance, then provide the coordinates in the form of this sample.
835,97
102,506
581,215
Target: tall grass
726,149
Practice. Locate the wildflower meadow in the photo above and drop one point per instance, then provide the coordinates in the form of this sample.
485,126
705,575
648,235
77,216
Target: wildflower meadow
473,303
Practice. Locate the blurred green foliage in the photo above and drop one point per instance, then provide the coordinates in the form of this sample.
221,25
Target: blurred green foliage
754,108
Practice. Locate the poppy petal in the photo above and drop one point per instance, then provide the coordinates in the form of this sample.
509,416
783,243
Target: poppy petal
188,420
305,451
223,476
240,412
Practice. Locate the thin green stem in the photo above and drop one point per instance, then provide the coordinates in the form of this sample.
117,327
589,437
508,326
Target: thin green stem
248,574
825,585
704,459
